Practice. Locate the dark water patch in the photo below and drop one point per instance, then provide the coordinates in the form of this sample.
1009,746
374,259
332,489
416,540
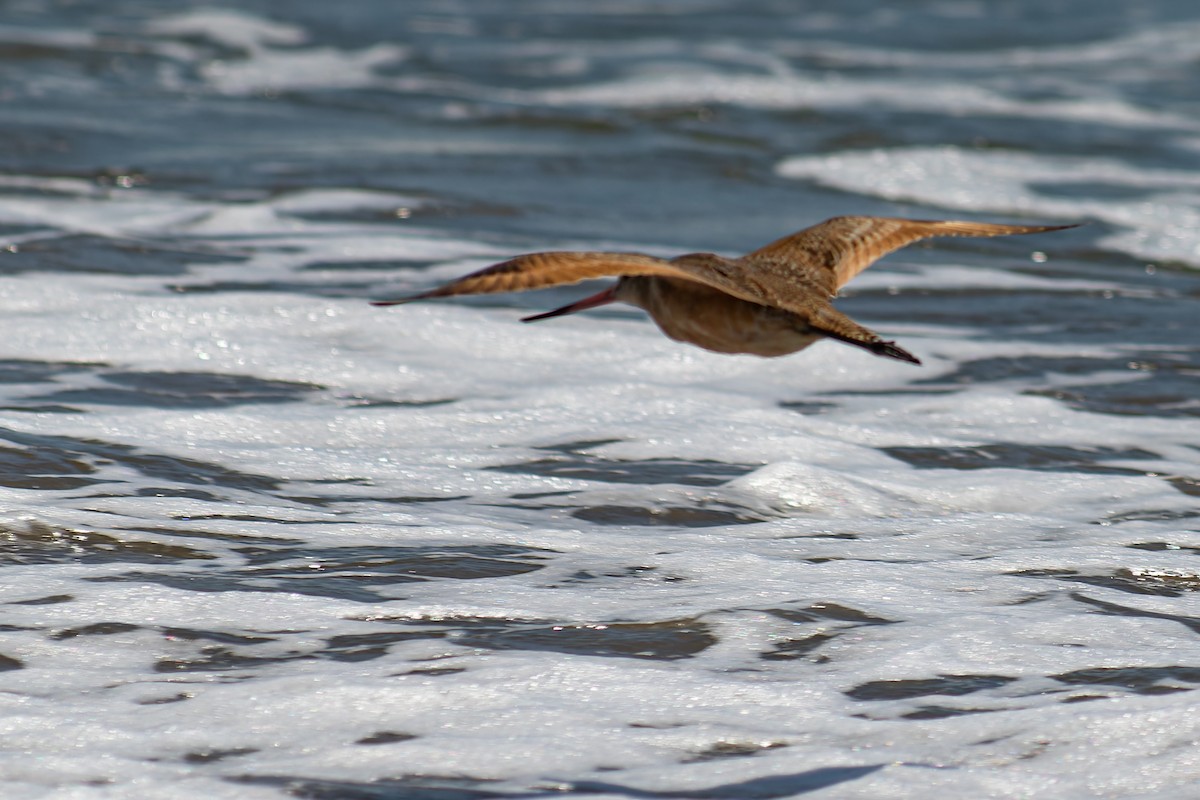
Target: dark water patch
1139,680
49,600
95,629
42,409
357,590
666,516
233,651
1185,485
39,544
246,518
370,646
174,491
539,495
911,389
182,390
1117,610
665,640
425,787
17,370
413,788
349,573
161,701
828,611
1012,455
768,788
1001,313
577,446
803,647
328,500
43,468
16,230
942,712
221,637
463,562
582,121
574,462
218,658
107,256
659,641
1123,580
1161,547
66,459
1138,398
1118,312
722,750
199,533
1151,515
827,535
1007,368
1091,191
8,663
807,407
359,401
386,737
954,685
1168,386
389,265
432,671
227,651
639,572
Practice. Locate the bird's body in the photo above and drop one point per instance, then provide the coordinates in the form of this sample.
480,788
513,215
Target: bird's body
771,302
724,324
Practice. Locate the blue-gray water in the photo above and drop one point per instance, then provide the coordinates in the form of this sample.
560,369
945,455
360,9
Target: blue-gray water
259,539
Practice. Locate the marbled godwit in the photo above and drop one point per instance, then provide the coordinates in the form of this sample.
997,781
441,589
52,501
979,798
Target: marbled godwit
771,302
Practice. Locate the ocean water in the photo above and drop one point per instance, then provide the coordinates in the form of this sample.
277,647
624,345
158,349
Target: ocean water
261,540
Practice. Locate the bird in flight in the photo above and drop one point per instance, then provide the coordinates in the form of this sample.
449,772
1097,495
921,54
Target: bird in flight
771,302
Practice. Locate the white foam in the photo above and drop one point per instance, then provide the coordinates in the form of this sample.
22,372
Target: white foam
262,64
228,27
313,68
655,88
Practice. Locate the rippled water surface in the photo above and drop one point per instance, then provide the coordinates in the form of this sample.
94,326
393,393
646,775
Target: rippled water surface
259,539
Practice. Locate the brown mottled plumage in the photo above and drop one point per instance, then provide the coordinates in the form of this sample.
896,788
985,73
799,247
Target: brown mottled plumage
771,302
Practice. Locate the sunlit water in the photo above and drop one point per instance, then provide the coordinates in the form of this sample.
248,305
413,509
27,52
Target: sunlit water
260,539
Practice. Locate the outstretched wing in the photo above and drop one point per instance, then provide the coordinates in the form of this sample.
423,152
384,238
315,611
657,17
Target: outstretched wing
540,270
832,252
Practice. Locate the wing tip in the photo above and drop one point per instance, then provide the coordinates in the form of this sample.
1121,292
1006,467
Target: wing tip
892,350
1047,228
986,229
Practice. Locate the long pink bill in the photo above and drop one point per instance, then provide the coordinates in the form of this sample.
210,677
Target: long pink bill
603,298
